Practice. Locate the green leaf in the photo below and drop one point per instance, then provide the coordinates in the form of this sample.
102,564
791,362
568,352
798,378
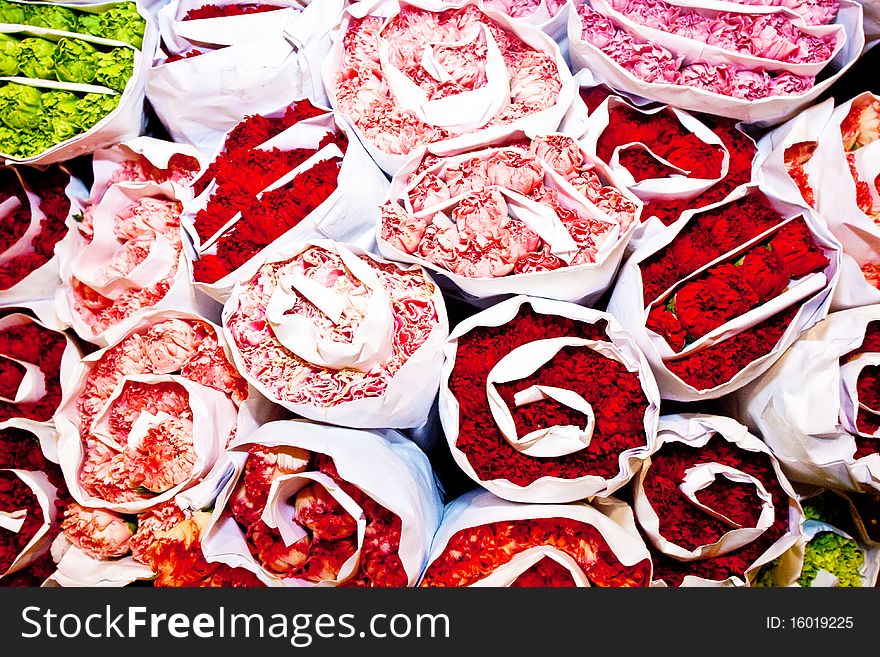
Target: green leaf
115,68
8,55
20,106
53,17
36,58
76,61
122,23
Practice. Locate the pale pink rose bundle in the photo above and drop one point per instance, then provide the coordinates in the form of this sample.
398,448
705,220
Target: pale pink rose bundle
764,36
407,76
465,214
336,334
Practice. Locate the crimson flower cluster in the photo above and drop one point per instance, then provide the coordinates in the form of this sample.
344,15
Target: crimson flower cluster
49,186
33,344
868,386
221,11
615,394
686,525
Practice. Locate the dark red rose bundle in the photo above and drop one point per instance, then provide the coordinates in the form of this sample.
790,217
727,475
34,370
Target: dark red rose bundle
673,160
714,299
544,401
714,504
485,541
278,179
33,209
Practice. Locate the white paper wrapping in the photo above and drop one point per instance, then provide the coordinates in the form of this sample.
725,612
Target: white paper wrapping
198,99
628,305
557,440
765,111
539,122
797,406
695,430
106,164
408,395
384,465
610,517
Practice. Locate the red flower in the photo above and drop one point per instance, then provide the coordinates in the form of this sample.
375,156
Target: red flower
712,366
706,237
473,553
686,525
615,394
868,387
547,573
706,303
666,325
642,165
14,496
796,249
763,272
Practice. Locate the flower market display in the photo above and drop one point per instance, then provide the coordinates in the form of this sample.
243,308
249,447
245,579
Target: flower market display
439,293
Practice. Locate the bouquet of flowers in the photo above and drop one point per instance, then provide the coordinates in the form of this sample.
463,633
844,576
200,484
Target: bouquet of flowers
549,16
312,504
338,335
34,209
122,257
77,77
715,506
29,519
34,361
827,430
482,78
544,401
537,216
280,178
147,418
716,298
219,66
829,159
832,555
485,541
145,161
755,64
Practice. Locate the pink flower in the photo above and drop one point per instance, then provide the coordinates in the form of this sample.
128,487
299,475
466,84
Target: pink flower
715,78
750,85
653,63
597,29
152,524
560,152
430,191
789,84
167,345
513,170
100,534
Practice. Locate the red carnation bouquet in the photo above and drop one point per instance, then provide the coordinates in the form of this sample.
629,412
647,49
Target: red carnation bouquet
335,334
716,298
31,481
27,515
714,505
485,541
544,401
312,504
529,216
122,258
828,159
34,207
34,362
671,159
819,407
279,178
